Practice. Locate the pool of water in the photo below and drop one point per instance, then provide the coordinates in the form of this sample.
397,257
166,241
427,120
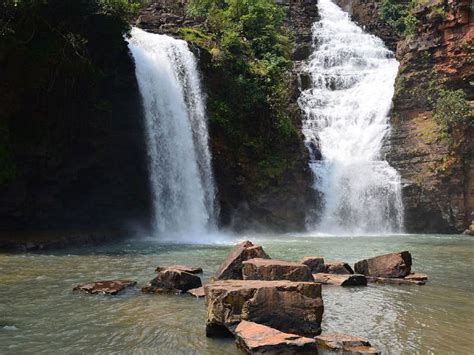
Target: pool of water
40,313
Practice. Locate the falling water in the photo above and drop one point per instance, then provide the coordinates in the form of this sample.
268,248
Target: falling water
346,123
177,138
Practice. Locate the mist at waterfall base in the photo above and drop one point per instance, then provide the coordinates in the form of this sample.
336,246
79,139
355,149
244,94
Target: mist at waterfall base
345,126
181,179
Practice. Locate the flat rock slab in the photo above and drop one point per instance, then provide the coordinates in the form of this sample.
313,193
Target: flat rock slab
185,268
172,281
231,268
291,307
337,267
105,287
255,338
389,265
341,280
415,276
197,292
394,281
315,264
270,270
345,343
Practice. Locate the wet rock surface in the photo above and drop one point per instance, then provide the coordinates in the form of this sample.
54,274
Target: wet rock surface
172,281
231,268
394,281
270,269
337,267
388,266
315,263
105,287
345,343
197,292
293,307
255,338
185,268
341,280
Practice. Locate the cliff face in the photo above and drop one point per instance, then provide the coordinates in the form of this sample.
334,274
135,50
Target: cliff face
437,174
254,191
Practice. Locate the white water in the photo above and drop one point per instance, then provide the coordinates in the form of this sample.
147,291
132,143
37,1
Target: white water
346,120
179,158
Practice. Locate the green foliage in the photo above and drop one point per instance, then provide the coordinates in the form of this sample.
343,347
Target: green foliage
394,15
411,24
452,110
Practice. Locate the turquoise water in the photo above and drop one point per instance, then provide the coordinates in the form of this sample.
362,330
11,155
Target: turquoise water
40,314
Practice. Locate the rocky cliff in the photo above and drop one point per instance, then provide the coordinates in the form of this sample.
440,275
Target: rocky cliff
437,171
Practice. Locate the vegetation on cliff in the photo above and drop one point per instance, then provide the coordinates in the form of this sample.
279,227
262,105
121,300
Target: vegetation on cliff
250,100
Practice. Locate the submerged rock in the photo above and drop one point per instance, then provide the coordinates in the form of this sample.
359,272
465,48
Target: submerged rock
270,269
395,281
389,265
255,338
338,267
315,263
105,287
231,268
185,268
341,280
172,281
293,307
197,292
345,343
415,276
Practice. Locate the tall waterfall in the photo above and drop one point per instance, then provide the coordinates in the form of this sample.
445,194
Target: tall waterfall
345,125
177,138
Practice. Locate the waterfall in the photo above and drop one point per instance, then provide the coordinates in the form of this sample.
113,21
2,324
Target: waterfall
177,139
345,125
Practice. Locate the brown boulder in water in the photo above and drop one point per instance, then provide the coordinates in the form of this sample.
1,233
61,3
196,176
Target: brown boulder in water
254,338
388,266
185,268
341,280
105,287
172,281
315,263
345,343
291,307
270,269
337,267
231,268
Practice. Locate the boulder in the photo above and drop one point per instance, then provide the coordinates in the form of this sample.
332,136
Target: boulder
291,307
315,263
269,270
255,338
337,267
197,292
345,343
389,265
231,268
394,281
185,268
105,287
172,281
341,280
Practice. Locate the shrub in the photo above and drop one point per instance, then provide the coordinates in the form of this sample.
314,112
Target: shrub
452,110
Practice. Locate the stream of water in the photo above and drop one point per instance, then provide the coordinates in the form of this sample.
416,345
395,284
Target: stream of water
40,313
346,123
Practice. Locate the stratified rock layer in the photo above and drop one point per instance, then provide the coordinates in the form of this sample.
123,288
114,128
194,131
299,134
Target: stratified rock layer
293,307
255,338
269,270
389,265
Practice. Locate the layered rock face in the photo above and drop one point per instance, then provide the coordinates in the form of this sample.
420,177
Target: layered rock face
438,190
269,269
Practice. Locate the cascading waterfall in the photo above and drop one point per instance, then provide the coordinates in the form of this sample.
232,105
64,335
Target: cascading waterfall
177,137
345,125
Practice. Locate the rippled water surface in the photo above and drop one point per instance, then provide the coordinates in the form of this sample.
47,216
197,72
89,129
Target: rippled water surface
40,313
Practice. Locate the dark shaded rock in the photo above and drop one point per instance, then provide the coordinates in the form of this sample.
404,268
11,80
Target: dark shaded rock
345,343
231,268
270,269
338,267
105,287
315,263
389,265
293,307
254,338
172,281
185,268
197,292
341,280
